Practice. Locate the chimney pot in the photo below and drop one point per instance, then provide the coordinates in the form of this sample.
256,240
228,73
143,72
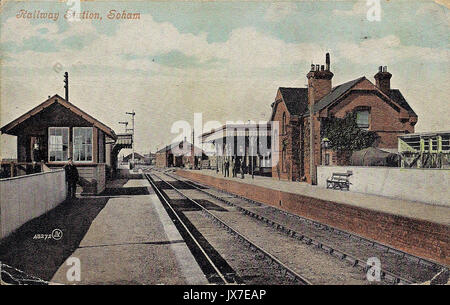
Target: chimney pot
327,61
319,81
383,79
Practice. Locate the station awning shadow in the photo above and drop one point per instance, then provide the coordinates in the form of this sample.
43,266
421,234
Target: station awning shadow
118,187
41,257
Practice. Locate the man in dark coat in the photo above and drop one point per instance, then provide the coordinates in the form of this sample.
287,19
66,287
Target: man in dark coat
227,168
71,178
237,166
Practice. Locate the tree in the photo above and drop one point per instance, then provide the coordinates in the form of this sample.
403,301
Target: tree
345,135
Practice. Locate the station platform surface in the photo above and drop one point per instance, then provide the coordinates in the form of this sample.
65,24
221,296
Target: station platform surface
132,240
410,209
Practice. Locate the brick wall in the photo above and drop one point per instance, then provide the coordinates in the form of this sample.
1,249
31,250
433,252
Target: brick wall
384,119
278,170
414,236
161,160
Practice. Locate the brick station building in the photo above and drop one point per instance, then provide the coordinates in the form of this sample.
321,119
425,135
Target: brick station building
379,108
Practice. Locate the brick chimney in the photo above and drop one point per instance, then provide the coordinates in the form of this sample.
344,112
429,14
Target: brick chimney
383,79
319,79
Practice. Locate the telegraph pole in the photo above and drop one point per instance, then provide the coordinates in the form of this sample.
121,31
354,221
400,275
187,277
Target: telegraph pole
132,113
126,125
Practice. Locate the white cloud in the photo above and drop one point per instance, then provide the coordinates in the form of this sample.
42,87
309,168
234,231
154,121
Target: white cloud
247,48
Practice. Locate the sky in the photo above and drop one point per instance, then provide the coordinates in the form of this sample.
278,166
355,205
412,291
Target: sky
224,60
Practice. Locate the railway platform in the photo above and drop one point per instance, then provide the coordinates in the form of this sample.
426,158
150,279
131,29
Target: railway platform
413,227
410,209
132,241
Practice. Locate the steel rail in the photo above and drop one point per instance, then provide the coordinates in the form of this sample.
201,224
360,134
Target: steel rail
287,271
210,261
387,275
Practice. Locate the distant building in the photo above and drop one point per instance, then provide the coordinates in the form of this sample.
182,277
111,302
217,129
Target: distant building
149,158
425,149
55,130
180,154
248,143
379,108
138,158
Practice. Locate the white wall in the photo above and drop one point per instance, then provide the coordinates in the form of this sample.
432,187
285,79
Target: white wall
425,185
26,197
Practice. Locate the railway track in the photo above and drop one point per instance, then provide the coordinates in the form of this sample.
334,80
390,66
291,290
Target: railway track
398,267
309,263
264,265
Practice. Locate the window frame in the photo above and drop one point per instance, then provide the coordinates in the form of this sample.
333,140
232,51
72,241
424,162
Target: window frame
363,109
92,145
49,146
283,129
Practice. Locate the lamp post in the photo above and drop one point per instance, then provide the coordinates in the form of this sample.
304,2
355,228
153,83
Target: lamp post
325,145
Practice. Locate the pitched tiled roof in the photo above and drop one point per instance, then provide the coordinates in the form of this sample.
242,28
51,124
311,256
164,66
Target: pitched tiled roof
296,99
50,101
335,93
397,97
173,145
136,156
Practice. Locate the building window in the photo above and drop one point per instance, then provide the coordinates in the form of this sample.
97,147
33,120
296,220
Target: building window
58,143
362,118
82,144
283,127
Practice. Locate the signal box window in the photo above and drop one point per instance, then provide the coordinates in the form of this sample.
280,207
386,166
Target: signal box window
58,143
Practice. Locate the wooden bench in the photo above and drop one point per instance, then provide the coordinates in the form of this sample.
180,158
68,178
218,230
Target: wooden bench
339,181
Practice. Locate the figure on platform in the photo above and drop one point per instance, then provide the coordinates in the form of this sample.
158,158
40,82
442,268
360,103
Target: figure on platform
237,166
36,153
71,178
242,169
227,168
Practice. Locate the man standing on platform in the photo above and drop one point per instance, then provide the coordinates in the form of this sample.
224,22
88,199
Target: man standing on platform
71,178
227,168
